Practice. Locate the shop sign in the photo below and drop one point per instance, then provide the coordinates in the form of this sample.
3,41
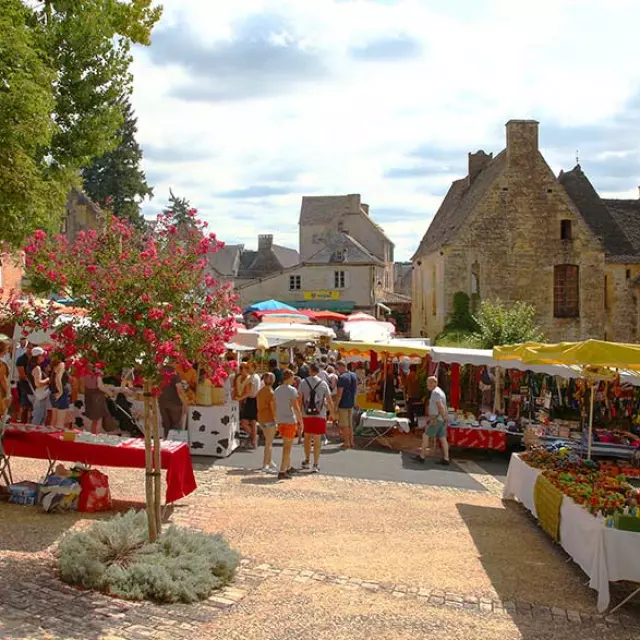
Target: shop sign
321,295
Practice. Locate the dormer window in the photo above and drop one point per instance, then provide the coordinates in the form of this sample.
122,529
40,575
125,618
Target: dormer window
565,229
340,255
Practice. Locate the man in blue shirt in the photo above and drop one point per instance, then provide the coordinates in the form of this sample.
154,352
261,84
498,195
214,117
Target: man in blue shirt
346,400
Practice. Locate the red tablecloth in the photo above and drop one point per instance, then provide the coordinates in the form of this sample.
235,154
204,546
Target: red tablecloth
174,456
475,438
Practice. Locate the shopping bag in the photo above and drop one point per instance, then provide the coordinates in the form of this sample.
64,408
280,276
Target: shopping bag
95,494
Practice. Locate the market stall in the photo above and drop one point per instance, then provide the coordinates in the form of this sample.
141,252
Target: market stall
109,451
605,553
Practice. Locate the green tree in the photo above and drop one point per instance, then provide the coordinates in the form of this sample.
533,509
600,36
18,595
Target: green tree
116,179
28,184
179,210
500,324
64,64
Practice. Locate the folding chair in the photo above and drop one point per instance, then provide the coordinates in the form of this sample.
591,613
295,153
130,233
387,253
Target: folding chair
5,462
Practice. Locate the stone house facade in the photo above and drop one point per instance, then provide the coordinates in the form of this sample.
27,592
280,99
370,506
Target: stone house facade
11,274
513,230
81,214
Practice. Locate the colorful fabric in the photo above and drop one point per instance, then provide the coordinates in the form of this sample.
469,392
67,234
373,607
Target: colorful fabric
474,438
548,500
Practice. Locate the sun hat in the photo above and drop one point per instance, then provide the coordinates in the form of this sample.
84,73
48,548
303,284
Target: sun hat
37,351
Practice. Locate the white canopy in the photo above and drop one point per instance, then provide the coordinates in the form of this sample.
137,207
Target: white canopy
369,331
294,330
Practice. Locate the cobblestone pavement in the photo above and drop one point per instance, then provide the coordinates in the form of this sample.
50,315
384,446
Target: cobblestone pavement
35,604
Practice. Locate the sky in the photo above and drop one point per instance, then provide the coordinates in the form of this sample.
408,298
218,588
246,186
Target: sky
243,107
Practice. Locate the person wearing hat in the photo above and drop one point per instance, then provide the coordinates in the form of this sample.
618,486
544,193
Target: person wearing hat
39,386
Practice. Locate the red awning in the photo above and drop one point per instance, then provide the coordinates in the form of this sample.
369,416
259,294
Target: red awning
324,315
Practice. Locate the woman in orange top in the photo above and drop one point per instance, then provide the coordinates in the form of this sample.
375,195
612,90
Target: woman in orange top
267,418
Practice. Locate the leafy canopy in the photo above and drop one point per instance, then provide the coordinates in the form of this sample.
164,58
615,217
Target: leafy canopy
501,324
64,65
116,180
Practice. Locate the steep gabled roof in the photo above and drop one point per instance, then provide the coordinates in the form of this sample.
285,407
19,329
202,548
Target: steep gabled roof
354,252
225,261
595,213
286,256
626,213
458,204
80,197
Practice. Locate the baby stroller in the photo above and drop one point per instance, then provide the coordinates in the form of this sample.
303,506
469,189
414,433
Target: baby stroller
120,409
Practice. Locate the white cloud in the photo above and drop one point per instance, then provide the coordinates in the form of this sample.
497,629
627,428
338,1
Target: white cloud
444,75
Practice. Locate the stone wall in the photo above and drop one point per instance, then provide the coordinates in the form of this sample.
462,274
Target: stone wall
621,303
428,312
11,272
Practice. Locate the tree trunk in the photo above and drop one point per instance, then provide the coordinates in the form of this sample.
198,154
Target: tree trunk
157,468
148,459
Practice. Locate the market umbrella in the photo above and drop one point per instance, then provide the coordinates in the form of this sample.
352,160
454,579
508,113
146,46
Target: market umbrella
369,331
269,305
294,330
285,317
360,317
324,315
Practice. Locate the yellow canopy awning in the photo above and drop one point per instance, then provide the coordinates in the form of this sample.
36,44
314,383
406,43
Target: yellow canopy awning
363,348
590,353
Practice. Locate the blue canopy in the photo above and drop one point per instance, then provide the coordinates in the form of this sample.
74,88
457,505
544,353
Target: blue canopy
269,305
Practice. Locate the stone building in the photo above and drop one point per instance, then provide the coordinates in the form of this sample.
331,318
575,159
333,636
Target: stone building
346,261
235,264
81,214
11,274
513,230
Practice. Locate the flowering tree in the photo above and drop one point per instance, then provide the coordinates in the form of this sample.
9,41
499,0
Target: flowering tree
148,300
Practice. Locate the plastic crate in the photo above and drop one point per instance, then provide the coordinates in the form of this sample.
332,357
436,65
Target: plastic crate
24,493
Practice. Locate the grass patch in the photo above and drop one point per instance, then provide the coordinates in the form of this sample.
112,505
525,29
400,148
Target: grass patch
116,558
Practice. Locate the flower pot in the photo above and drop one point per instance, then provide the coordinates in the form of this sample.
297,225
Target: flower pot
203,393
218,396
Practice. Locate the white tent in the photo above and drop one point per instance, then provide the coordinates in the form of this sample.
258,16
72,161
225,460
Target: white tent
293,330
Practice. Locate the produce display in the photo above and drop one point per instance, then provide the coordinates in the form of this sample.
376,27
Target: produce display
587,482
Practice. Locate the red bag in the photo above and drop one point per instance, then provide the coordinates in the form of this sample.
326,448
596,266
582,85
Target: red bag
95,494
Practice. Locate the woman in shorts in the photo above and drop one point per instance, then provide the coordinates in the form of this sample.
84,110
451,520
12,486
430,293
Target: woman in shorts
289,419
267,419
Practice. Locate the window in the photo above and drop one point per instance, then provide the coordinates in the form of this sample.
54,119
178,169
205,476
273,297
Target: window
386,280
340,255
295,283
434,302
565,229
566,289
606,292
338,279
628,274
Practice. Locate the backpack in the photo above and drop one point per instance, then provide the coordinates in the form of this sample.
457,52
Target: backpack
311,405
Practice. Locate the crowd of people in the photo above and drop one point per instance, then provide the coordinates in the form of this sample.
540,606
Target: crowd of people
297,402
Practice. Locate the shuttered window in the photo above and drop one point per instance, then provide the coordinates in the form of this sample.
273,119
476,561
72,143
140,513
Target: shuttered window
566,291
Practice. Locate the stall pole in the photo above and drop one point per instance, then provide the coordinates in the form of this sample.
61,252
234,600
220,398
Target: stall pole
590,430
157,469
148,464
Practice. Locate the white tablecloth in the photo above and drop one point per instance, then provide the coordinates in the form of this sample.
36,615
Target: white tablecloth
605,555
377,422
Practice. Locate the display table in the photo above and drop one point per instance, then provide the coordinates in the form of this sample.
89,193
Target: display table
477,438
604,554
213,431
130,453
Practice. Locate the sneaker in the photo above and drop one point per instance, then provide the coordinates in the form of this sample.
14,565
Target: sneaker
291,471
419,459
274,467
305,464
284,476
443,462
270,470
325,441
316,469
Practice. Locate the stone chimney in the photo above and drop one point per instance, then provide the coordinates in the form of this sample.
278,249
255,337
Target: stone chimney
365,208
477,162
522,140
265,242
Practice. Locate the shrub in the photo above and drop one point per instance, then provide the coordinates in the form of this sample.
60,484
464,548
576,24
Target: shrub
115,557
500,324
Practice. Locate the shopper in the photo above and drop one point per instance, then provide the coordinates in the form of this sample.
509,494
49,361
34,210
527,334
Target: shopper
5,384
412,393
316,398
39,385
249,409
276,371
172,401
24,364
95,401
346,400
288,418
60,389
302,367
267,419
438,418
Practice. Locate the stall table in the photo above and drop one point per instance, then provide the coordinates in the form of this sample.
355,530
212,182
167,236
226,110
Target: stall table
130,453
382,426
605,555
477,438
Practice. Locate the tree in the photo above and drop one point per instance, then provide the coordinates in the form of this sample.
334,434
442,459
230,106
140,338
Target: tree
178,210
115,180
63,66
148,300
500,324
29,186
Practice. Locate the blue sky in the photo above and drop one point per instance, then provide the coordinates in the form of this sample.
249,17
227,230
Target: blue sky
244,107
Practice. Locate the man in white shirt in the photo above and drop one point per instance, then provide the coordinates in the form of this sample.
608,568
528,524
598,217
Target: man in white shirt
316,398
437,417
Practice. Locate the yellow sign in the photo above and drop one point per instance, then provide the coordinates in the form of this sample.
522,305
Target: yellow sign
321,295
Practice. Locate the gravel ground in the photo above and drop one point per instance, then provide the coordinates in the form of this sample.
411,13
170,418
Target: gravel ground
279,611
457,541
